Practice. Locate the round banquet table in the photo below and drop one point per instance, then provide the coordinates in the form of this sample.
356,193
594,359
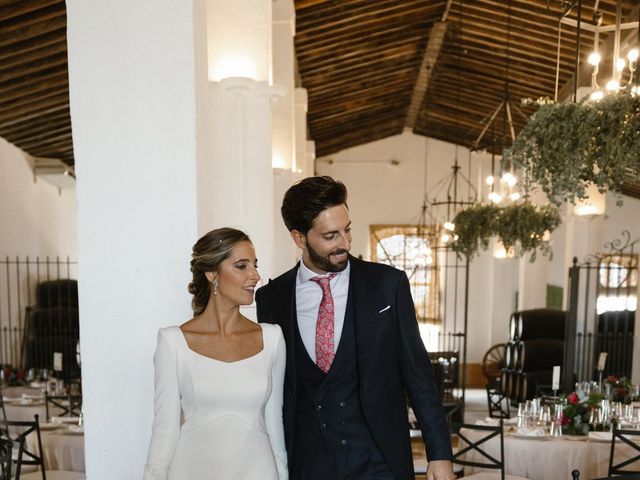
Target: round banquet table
62,448
543,458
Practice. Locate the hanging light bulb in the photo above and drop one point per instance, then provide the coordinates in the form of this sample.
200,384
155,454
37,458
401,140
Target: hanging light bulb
490,180
632,56
509,179
495,197
597,95
620,64
445,238
515,196
594,59
613,85
449,226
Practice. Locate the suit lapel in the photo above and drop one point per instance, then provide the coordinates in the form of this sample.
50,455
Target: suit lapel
363,292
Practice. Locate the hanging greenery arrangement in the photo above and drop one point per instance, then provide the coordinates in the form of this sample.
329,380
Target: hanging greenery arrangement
522,226
566,146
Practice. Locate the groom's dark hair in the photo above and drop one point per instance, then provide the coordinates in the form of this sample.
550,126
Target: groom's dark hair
305,200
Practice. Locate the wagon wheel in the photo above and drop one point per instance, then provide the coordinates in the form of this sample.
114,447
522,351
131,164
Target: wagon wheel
493,362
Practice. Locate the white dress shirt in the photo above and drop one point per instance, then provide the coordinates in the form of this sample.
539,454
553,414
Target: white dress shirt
308,298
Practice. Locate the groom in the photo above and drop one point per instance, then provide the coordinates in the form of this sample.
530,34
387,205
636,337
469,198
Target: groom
353,351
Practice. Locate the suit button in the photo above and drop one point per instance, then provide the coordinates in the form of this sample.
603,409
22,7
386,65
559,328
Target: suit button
343,442
342,404
318,407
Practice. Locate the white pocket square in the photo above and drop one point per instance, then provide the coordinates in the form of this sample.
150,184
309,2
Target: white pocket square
385,309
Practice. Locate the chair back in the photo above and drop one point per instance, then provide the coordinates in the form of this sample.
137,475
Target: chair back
620,437
479,447
496,399
6,450
26,455
67,405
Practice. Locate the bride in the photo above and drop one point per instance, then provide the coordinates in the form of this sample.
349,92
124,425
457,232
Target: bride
219,377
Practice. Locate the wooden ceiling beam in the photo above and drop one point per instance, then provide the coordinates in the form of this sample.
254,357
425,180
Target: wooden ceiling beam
32,7
318,83
37,136
42,122
379,14
17,109
35,68
379,39
57,76
27,57
40,148
342,64
40,26
29,44
429,60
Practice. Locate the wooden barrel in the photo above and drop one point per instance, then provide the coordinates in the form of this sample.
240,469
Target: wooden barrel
541,323
505,382
540,354
515,326
530,381
510,355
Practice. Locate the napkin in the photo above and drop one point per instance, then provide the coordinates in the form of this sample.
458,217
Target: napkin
73,420
488,422
602,436
76,428
531,432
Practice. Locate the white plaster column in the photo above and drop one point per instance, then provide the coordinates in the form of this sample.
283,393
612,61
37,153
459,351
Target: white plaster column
302,103
284,18
310,159
239,117
133,97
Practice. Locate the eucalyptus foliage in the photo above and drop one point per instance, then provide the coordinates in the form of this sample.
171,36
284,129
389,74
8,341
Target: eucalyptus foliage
521,225
566,146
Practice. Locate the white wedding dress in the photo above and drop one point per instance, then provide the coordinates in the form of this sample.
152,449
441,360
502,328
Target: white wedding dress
217,420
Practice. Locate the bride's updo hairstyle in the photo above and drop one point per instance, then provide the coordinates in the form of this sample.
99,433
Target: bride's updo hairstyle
208,253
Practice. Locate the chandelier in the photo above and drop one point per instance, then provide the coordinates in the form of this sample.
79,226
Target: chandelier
622,70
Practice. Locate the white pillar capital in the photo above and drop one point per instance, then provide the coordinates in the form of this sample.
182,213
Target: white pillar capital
284,14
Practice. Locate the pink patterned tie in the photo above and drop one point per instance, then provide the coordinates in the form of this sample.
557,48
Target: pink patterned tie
324,325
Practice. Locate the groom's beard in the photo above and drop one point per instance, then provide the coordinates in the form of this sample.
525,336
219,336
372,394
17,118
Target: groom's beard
324,263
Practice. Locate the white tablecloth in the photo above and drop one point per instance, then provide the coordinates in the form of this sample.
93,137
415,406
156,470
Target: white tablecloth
549,458
63,450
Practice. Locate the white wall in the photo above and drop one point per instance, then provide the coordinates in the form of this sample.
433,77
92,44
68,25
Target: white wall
35,218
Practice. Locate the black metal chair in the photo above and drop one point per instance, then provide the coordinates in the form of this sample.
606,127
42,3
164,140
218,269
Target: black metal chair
496,399
6,462
25,455
34,457
487,461
67,405
624,437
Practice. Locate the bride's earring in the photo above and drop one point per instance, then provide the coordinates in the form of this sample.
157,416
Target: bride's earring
215,284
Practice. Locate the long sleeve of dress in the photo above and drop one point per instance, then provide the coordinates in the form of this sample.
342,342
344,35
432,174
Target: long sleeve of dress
273,409
166,421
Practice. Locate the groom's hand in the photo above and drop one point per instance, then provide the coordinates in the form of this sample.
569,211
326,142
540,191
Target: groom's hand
440,470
